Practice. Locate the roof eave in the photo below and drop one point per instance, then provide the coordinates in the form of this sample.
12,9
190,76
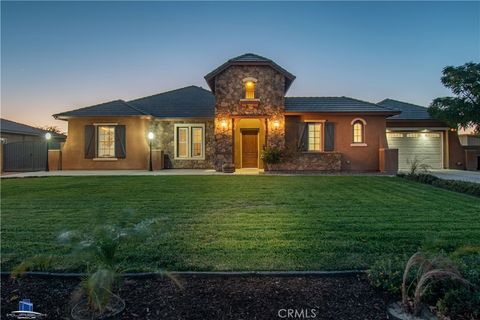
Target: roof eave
379,113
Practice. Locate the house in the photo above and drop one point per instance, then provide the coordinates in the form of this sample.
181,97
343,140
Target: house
245,111
11,131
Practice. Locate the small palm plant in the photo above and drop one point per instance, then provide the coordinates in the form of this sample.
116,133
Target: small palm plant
99,247
429,271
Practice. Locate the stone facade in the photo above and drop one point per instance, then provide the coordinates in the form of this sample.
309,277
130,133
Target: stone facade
310,161
230,104
165,131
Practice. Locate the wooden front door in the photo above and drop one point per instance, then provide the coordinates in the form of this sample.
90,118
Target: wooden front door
249,149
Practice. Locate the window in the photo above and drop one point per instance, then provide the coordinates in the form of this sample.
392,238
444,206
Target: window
190,141
358,127
249,89
106,141
314,136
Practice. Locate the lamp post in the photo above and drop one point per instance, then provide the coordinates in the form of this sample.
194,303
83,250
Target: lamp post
150,138
48,136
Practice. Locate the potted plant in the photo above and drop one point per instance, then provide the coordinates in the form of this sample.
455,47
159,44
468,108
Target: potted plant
272,156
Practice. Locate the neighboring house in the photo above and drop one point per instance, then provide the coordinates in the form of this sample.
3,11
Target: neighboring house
245,112
11,131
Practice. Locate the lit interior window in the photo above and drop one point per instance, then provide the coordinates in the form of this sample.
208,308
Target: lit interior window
314,136
106,142
197,137
249,90
182,142
358,132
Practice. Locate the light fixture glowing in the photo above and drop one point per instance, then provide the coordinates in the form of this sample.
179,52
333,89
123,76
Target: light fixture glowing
224,123
48,136
249,84
276,124
150,136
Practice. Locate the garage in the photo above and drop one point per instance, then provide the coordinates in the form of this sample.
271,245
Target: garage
424,146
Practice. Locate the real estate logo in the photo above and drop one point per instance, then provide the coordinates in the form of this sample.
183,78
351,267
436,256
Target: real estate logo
297,313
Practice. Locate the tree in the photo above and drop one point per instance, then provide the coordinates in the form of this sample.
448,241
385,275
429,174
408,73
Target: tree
52,129
463,110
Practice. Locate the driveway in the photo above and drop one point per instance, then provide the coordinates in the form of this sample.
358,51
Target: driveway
462,175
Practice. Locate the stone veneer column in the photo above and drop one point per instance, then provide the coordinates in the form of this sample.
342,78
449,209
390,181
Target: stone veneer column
229,95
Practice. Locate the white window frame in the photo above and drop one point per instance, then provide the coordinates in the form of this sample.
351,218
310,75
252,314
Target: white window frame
364,133
107,124
189,127
322,134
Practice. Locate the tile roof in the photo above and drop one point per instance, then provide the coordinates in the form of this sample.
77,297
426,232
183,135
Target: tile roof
332,104
247,59
111,108
188,102
8,126
408,111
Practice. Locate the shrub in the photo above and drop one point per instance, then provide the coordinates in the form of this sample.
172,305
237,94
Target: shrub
386,274
272,155
416,166
451,283
466,187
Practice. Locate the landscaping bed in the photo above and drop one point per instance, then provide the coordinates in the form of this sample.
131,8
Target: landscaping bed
214,297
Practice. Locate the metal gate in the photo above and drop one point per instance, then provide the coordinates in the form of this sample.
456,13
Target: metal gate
25,156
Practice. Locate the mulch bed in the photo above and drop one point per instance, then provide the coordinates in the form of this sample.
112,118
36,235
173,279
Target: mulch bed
213,297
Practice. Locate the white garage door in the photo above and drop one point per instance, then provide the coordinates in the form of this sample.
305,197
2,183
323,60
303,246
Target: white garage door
425,146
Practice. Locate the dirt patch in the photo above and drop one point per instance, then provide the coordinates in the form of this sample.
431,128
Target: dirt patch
214,297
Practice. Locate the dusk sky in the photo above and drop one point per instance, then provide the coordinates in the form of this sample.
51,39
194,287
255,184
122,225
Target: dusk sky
58,56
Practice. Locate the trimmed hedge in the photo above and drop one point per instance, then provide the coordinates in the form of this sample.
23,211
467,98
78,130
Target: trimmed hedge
470,188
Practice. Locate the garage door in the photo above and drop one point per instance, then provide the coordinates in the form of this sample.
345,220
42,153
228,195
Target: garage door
425,146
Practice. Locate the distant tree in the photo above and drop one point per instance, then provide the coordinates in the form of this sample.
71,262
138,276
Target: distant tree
463,110
53,129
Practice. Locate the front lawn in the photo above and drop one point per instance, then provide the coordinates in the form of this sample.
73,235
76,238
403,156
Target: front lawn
239,222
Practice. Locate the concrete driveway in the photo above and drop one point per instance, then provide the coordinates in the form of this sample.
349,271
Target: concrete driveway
462,175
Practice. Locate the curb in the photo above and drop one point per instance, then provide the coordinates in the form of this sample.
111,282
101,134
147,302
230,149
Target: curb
205,274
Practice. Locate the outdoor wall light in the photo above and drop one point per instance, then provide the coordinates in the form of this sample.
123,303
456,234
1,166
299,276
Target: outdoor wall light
150,136
276,124
224,123
48,136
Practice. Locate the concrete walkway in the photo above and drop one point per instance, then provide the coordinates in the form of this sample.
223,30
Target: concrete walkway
462,175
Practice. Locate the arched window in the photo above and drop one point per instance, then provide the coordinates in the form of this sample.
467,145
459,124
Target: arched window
358,127
249,87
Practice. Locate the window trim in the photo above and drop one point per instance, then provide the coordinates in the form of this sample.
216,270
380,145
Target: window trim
322,135
97,140
363,123
189,127
249,79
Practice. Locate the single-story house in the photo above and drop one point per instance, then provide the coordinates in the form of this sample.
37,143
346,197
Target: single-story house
11,131
245,111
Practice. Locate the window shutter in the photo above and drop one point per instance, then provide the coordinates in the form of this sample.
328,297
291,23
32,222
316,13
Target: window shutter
303,136
329,136
120,149
89,142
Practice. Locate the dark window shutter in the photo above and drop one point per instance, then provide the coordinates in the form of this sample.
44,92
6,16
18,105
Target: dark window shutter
303,136
89,142
120,149
329,136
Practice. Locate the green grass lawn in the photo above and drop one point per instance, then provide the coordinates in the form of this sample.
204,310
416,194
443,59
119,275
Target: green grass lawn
240,222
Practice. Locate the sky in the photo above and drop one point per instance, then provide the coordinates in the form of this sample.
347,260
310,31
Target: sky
58,56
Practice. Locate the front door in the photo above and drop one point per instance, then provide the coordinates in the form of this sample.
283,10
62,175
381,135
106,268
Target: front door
249,148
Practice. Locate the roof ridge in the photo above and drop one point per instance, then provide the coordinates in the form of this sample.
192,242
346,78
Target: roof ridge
169,91
399,101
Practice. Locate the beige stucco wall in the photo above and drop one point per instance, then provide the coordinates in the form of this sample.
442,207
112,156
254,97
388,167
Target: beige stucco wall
354,158
137,149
